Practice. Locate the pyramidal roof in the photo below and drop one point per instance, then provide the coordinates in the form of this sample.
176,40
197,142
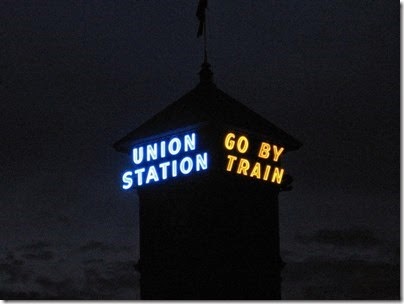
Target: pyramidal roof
206,103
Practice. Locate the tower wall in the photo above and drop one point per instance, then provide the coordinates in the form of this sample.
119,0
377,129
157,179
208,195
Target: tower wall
210,238
212,235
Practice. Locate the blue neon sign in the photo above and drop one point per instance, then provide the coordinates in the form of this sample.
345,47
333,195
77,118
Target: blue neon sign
164,159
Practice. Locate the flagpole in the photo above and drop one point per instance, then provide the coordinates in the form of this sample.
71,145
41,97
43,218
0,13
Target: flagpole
205,73
205,42
200,13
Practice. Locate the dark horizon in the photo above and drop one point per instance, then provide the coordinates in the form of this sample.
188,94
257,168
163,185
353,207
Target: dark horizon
75,77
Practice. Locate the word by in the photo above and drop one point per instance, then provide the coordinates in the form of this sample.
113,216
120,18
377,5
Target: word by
158,161
256,169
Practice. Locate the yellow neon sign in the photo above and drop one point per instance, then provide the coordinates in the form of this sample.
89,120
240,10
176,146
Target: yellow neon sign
257,169
241,144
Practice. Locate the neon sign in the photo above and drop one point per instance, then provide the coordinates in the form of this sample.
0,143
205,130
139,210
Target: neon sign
162,160
243,166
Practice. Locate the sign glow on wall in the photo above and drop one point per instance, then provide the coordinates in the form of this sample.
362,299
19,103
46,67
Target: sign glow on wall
165,159
259,170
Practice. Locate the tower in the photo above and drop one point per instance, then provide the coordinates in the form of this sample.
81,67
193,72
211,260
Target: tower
208,172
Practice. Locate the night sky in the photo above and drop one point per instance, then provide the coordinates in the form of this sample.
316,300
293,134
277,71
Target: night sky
76,76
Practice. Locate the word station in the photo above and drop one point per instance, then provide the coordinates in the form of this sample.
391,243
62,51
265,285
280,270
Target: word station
150,166
257,170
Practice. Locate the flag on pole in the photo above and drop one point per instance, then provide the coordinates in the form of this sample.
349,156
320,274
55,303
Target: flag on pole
200,13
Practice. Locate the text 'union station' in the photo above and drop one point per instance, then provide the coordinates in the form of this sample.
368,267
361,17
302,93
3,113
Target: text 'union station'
165,159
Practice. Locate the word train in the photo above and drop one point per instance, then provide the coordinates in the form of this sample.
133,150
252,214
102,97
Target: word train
258,170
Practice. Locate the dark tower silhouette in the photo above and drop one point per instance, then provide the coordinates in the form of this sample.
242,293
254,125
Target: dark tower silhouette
214,233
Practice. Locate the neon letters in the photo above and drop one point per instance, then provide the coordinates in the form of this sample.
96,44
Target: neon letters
258,170
165,159
178,155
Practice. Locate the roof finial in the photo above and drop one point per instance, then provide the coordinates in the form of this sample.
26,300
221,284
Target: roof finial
205,75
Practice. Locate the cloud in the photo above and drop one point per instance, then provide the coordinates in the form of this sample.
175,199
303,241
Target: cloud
94,270
34,251
93,261
94,245
42,256
356,237
111,276
55,288
19,295
328,278
342,264
63,219
103,247
35,246
14,272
